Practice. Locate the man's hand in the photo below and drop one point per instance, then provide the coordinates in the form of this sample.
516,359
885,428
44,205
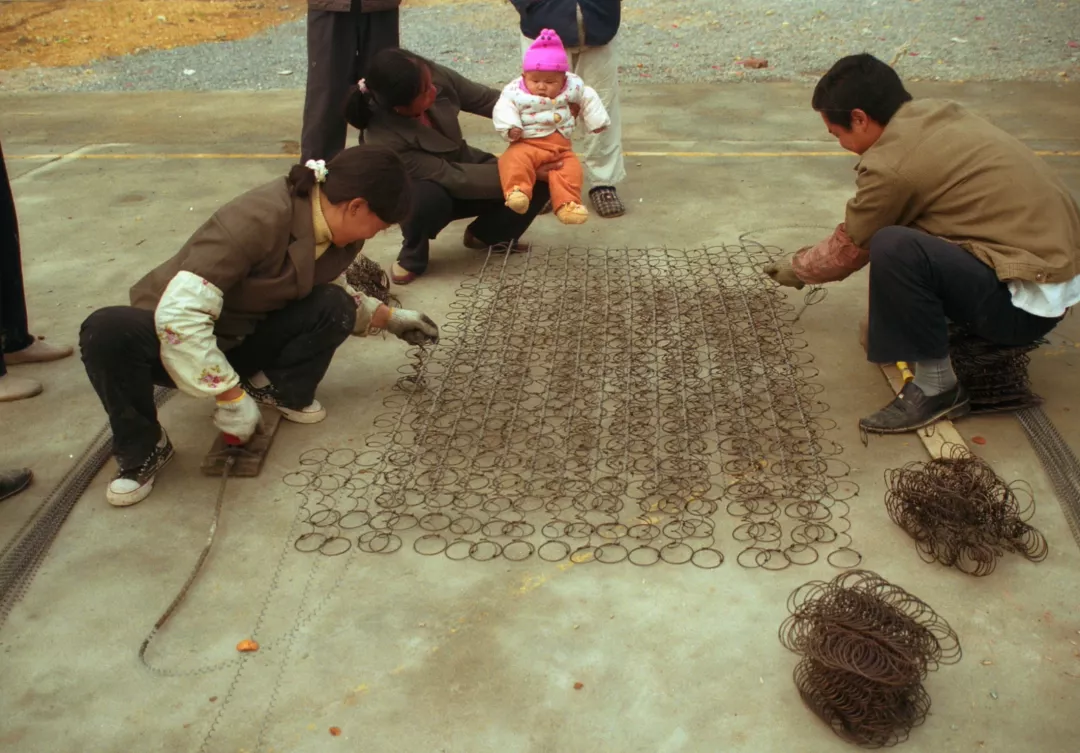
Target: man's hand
543,170
782,273
412,327
514,134
575,109
239,416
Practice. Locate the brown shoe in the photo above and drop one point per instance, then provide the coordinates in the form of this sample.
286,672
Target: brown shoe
471,241
401,276
38,351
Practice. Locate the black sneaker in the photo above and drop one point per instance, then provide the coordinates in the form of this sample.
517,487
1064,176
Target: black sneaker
912,410
471,241
311,414
13,482
132,485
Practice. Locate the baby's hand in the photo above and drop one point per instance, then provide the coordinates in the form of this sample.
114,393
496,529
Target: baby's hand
515,134
575,109
600,130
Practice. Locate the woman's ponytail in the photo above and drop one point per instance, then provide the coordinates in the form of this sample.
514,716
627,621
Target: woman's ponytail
359,107
301,180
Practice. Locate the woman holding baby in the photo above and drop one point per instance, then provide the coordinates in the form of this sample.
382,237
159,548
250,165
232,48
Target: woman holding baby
412,105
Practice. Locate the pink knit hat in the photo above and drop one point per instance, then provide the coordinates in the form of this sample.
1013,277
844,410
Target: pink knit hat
546,54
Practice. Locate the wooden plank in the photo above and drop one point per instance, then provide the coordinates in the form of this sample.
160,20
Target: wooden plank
936,438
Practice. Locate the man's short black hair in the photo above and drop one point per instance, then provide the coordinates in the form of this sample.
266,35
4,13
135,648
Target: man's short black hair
859,82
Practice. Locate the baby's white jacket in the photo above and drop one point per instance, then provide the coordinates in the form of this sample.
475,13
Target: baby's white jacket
538,117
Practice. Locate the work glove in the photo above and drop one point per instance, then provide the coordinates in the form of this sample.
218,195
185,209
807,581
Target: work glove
239,417
412,327
781,272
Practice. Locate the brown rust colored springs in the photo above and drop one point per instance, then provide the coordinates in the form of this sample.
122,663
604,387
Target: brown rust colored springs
867,645
962,514
599,405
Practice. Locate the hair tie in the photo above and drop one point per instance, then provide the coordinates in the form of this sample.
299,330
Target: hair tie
361,86
318,167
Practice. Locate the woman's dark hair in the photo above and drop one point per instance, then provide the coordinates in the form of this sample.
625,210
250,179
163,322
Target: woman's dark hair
859,82
395,78
372,173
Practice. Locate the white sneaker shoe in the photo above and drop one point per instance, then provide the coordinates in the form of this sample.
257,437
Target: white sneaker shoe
267,395
133,485
312,414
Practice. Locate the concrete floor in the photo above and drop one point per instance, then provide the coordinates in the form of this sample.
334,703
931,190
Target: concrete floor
418,654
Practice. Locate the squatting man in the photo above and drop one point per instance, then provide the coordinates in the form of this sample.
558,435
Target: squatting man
959,222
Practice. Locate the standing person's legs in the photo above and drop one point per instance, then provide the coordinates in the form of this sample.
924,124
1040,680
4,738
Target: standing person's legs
14,332
918,283
331,51
17,345
283,361
340,46
602,152
374,32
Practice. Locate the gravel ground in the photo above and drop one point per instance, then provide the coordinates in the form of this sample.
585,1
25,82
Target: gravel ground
662,41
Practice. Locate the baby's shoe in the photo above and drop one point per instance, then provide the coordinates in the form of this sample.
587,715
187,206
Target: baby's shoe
572,213
517,201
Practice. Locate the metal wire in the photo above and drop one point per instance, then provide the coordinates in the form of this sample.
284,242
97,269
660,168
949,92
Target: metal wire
1058,460
867,645
229,462
598,405
961,513
25,551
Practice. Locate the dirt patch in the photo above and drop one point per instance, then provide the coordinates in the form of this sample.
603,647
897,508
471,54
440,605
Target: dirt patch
49,33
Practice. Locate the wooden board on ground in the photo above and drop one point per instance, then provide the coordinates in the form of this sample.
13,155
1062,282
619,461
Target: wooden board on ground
935,438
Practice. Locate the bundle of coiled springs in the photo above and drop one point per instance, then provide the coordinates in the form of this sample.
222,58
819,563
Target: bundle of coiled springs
995,377
961,513
867,645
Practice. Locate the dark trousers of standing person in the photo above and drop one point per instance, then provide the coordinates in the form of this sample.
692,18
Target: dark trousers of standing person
339,46
434,209
292,346
14,334
919,283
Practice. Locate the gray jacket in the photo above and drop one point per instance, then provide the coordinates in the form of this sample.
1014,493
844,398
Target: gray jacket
344,6
440,154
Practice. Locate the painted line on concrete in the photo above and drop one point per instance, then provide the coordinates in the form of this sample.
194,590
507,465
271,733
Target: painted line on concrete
53,161
84,154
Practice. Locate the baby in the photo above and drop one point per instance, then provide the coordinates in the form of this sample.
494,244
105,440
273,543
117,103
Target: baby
536,115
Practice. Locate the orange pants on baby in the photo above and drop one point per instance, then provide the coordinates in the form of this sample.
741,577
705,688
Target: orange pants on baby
517,168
